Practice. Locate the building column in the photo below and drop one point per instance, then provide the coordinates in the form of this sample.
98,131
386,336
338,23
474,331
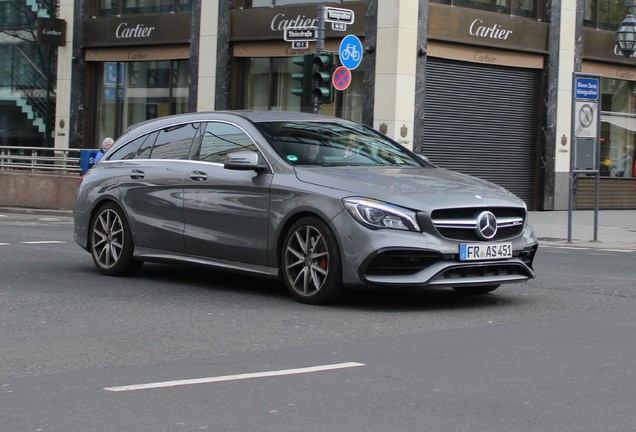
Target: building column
396,54
208,39
569,62
64,82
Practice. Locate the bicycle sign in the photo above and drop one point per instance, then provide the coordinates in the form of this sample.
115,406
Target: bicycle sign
350,52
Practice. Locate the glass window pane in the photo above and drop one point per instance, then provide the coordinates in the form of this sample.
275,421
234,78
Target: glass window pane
220,139
128,151
174,142
618,128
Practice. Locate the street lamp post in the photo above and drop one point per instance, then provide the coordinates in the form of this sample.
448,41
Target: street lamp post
626,33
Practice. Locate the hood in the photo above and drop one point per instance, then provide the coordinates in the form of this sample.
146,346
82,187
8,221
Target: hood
412,187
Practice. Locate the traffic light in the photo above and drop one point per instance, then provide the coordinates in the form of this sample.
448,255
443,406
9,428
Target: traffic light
323,70
305,77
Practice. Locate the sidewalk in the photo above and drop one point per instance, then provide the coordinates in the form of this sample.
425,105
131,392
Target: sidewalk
616,228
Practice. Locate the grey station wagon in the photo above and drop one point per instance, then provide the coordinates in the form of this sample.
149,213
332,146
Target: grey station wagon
325,204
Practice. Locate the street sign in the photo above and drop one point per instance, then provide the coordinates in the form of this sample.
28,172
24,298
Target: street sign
300,45
298,34
350,52
337,15
587,88
338,26
586,120
341,78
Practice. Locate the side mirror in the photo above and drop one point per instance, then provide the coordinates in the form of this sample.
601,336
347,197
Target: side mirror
244,161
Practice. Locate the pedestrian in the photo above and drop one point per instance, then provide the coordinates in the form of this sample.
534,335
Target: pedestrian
106,144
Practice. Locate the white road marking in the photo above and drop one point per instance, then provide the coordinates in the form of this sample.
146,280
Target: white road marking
44,242
584,248
233,377
5,244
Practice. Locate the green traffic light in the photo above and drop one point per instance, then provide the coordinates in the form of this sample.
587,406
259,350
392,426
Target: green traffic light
323,70
305,78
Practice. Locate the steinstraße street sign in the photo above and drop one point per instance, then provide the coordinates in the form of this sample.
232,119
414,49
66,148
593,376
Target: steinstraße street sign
300,34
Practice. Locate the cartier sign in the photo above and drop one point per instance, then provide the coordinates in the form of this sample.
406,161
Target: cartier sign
482,28
146,29
51,31
264,23
495,31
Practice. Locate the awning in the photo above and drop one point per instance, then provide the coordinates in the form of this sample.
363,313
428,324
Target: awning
139,53
622,121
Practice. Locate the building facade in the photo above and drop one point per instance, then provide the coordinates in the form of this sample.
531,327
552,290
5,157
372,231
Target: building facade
479,86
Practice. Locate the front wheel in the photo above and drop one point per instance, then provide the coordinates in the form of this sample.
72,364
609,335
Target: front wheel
111,242
312,270
475,290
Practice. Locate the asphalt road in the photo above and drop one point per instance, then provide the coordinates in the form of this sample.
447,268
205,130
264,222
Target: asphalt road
223,352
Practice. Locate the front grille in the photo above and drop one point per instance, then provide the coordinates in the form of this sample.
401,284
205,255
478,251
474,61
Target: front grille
483,271
401,262
460,224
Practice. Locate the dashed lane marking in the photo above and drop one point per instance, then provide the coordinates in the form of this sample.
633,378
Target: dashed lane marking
237,377
43,242
35,242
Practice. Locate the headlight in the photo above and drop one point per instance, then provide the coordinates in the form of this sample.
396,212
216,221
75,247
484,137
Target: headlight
377,214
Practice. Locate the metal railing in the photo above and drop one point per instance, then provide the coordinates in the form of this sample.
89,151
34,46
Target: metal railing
40,160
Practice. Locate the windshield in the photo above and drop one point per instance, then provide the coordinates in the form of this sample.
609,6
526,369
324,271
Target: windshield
333,144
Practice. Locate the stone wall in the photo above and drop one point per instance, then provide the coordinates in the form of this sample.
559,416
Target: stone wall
41,191
615,193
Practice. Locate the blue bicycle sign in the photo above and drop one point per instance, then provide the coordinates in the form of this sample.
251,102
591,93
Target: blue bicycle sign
350,52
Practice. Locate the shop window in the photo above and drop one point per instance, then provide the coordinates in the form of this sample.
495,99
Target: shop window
266,83
127,7
604,14
131,92
618,128
247,4
522,8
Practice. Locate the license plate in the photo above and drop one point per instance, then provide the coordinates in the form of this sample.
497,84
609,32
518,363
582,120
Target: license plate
484,251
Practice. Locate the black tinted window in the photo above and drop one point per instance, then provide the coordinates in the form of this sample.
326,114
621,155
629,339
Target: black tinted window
220,139
174,142
128,151
146,147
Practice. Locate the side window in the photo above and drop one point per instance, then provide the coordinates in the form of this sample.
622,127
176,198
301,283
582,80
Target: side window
220,139
146,147
174,142
127,151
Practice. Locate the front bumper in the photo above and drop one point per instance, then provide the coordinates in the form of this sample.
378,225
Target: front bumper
395,258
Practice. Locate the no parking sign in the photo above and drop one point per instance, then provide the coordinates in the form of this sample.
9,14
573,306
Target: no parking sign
341,78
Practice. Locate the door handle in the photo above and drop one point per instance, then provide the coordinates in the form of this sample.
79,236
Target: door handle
137,174
198,176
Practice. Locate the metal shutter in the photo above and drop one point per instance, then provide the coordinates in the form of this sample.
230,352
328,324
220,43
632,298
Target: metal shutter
482,120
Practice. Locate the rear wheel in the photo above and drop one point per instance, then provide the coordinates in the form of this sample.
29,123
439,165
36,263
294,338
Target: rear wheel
475,290
111,242
312,270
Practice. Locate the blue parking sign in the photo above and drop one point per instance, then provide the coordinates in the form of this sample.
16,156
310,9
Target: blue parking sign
350,52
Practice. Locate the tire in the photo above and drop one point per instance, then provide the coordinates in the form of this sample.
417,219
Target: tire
111,242
312,270
475,290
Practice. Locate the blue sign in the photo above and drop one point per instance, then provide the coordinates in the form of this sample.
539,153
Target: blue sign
587,88
111,73
350,52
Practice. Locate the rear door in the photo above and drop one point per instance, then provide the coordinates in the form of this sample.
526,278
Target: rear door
151,187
